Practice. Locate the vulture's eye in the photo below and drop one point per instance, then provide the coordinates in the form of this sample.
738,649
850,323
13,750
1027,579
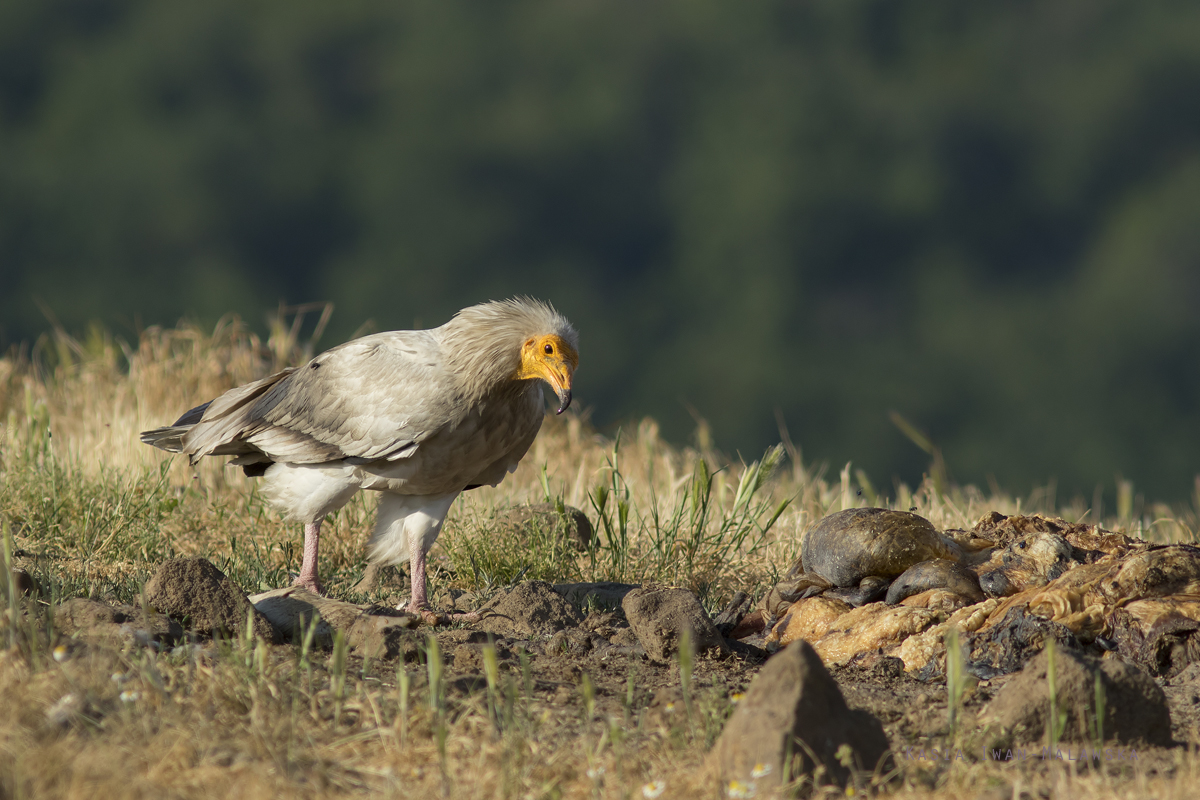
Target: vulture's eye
549,349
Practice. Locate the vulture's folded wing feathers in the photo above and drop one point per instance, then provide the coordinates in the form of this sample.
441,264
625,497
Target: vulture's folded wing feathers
373,398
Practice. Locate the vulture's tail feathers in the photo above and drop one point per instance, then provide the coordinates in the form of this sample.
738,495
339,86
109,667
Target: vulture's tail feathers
170,438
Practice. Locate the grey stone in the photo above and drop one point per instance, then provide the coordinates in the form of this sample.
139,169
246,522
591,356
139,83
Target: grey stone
529,609
790,727
1135,707
659,616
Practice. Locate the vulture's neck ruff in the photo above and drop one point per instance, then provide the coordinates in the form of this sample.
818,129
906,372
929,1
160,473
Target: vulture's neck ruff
494,346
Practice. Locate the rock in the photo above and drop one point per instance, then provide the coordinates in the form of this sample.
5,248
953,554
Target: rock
604,594
571,523
203,598
384,636
793,712
529,609
377,576
847,546
1135,707
659,616
371,631
93,620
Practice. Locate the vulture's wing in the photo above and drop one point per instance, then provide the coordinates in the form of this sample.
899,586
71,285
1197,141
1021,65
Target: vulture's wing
375,398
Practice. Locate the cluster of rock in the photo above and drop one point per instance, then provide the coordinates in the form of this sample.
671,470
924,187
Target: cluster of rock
874,582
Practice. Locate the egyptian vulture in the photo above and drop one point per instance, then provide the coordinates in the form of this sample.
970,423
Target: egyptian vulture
419,416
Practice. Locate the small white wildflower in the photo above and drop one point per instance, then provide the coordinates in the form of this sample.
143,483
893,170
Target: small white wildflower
740,790
117,678
60,653
653,789
130,696
670,709
595,773
61,712
760,770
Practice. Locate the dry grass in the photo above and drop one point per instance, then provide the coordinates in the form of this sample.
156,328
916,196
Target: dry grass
94,511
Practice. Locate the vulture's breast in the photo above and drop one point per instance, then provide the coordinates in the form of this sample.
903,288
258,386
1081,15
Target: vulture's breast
481,448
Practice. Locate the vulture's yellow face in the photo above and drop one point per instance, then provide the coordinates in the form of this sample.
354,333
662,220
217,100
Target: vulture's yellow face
553,360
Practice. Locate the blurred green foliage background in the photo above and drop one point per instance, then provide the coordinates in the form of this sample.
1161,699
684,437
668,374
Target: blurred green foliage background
980,215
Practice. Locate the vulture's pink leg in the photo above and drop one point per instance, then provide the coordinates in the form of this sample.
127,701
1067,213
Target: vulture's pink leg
416,566
308,568
420,599
419,604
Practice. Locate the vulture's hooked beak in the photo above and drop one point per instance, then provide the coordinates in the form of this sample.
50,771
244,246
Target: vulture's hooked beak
559,374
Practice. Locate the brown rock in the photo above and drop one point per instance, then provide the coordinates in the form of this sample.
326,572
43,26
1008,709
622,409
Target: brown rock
384,636
370,631
605,594
659,616
571,523
529,609
1135,708
792,714
376,577
203,598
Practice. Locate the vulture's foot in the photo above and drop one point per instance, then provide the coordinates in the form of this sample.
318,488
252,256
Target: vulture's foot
433,618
